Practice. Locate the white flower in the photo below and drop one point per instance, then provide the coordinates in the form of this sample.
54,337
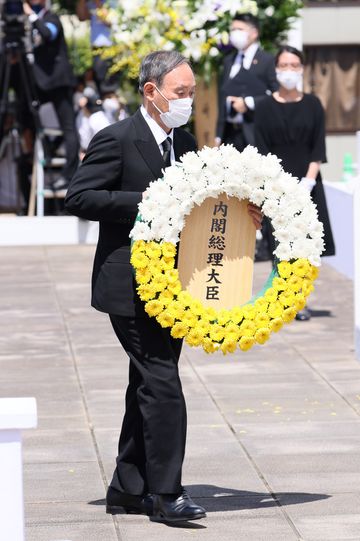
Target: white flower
140,231
257,196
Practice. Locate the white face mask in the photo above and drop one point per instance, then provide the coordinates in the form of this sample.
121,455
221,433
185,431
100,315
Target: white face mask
289,79
111,105
240,39
179,111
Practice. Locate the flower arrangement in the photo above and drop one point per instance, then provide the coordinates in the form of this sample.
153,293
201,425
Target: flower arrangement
196,28
247,175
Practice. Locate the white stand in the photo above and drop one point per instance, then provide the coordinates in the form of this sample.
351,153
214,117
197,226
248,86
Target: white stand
16,414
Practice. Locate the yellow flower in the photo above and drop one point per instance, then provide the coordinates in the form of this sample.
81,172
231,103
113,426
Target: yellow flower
179,330
284,269
313,273
247,328
223,317
194,337
276,324
228,346
138,246
143,276
203,326
246,342
190,319
165,319
168,249
154,307
262,335
295,283
236,314
176,309
167,263
146,292
217,332
172,275
165,300
139,260
261,304
301,267
275,309
249,311
300,301
232,332
159,282
196,307
271,294
185,298
209,346
279,284
209,314
287,298
289,314
153,250
307,287
261,320
175,287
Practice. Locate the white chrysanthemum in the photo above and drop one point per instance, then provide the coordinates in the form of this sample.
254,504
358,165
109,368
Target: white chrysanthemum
141,231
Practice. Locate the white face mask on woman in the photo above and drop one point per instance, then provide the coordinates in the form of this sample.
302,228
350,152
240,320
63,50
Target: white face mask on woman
289,79
240,39
179,111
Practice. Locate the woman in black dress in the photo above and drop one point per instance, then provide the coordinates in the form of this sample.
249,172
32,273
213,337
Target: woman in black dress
291,125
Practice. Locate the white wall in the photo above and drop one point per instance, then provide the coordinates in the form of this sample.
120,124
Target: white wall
329,25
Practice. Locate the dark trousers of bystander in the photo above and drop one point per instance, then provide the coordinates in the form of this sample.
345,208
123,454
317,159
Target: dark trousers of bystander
63,104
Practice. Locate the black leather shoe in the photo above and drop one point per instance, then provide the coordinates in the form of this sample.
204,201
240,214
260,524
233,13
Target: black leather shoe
303,315
118,502
175,508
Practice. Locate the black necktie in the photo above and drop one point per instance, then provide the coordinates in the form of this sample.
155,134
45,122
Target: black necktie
167,151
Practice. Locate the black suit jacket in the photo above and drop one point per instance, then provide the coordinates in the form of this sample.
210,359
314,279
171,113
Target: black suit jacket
51,68
120,162
257,81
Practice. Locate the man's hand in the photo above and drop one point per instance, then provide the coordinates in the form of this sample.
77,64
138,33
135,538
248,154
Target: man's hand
255,214
238,104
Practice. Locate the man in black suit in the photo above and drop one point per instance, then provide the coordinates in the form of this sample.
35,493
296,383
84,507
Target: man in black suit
248,75
120,162
54,79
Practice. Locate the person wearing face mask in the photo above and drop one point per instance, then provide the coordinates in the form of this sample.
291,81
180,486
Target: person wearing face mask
120,162
248,75
291,125
54,78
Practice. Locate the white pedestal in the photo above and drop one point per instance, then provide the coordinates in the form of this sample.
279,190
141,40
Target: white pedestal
16,414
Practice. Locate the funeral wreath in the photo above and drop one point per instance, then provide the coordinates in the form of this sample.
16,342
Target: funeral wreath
297,231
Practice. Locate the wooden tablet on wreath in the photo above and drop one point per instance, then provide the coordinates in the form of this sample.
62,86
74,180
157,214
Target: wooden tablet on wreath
216,254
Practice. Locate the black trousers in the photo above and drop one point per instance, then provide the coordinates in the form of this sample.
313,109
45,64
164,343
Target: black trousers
153,433
234,135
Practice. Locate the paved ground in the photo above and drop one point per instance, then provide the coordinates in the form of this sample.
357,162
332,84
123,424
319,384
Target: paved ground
274,434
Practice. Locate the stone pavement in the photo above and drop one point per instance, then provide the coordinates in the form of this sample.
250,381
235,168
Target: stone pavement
274,433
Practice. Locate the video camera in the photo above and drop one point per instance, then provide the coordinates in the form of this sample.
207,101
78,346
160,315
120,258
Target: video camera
13,21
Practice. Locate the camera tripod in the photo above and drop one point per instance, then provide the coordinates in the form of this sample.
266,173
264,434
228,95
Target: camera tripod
16,72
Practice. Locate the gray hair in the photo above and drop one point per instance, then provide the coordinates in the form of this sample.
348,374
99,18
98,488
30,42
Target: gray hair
156,65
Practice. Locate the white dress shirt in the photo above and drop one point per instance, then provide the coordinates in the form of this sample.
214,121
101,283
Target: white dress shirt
159,134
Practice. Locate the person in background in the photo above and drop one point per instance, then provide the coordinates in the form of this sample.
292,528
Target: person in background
248,74
100,38
54,79
291,125
90,119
